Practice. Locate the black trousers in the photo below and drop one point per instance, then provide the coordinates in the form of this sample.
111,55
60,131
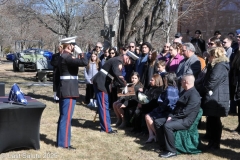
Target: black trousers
214,129
238,104
158,124
169,128
89,93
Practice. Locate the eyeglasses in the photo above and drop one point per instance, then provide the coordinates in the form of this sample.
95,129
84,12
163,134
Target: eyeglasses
112,52
131,46
98,47
210,44
166,46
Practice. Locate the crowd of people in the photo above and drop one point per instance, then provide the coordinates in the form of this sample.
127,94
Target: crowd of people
176,83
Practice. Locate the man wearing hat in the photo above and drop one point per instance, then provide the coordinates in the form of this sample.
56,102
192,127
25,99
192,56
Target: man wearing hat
111,72
199,43
67,90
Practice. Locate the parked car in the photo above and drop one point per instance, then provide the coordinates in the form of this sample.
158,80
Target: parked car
10,56
32,58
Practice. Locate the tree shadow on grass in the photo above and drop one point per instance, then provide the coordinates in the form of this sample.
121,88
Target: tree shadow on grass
86,124
43,137
38,96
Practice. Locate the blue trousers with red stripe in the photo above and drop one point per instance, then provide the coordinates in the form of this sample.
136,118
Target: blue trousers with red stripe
66,108
103,109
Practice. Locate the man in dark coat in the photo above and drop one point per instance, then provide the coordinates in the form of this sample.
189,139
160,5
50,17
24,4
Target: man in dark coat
54,63
67,89
183,115
199,43
111,72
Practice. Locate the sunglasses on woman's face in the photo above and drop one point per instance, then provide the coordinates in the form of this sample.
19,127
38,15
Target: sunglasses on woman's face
210,44
112,52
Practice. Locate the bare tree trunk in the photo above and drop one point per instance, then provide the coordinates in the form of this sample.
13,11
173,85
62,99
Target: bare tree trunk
115,26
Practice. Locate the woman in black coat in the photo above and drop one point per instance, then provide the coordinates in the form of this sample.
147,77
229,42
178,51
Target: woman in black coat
149,68
216,95
152,93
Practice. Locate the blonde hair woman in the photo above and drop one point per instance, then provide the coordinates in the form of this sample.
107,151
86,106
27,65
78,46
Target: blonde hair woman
216,95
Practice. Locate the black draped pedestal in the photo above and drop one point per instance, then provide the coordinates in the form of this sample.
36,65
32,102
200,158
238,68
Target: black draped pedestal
19,124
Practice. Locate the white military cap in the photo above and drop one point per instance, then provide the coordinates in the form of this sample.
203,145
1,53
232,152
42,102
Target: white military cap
238,31
68,40
132,55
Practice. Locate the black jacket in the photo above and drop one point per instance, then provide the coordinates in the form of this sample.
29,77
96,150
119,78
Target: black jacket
199,45
148,72
68,66
187,107
152,93
111,66
217,81
56,76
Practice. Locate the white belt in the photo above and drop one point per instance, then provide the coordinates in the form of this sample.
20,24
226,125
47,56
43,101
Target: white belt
68,77
105,72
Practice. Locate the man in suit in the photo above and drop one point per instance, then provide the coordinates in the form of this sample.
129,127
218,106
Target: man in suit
183,115
189,65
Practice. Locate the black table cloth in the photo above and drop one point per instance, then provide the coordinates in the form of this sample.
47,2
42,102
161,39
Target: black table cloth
19,124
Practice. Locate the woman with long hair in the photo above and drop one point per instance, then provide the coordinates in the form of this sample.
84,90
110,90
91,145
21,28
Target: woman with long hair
127,102
215,102
167,101
94,65
150,68
175,57
152,92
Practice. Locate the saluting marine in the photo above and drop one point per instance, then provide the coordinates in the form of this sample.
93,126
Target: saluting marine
68,89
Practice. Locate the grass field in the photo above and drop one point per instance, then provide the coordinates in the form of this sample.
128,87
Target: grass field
92,144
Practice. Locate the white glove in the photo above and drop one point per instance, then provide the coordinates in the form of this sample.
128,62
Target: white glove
210,92
77,49
125,90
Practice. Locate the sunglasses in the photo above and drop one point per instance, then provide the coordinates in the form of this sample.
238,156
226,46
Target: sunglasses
224,42
112,52
210,44
238,36
98,47
131,46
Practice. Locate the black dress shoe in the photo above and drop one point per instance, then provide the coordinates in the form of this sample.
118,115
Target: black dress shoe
167,154
71,148
112,132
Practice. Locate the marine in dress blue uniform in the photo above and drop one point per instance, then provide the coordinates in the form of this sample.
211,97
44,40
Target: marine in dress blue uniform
110,72
67,90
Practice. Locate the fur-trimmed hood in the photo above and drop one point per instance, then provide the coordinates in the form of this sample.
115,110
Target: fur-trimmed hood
218,60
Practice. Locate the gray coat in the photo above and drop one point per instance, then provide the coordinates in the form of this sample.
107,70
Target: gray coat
216,81
190,65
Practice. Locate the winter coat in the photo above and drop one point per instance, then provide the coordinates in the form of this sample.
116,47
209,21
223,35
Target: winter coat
173,65
216,81
148,72
88,74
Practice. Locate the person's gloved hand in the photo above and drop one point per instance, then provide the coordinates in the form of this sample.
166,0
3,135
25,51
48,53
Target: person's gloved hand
77,49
